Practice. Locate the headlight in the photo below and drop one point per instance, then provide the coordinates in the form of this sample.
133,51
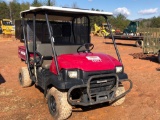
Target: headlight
119,69
72,74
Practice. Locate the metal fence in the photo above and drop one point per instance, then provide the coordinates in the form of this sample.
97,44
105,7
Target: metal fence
151,40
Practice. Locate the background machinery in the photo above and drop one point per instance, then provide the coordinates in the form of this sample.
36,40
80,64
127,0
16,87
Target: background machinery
7,27
132,28
102,30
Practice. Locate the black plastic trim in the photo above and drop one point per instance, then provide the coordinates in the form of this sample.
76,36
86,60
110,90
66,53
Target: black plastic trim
122,76
89,94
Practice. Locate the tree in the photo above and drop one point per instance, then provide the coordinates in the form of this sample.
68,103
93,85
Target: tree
15,9
94,19
4,12
49,2
155,22
74,5
36,3
120,22
25,6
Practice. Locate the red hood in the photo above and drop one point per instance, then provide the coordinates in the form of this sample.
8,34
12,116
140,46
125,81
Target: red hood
87,62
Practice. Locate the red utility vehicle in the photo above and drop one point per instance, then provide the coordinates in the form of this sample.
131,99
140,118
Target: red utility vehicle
59,59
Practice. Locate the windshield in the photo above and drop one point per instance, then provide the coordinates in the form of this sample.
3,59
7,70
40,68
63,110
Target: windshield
7,23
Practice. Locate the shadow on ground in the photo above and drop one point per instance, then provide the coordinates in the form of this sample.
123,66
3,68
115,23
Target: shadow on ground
2,80
152,58
121,44
88,108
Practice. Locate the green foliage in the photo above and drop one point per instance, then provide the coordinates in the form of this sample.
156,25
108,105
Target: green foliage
25,6
49,2
15,9
98,20
36,3
145,23
4,11
11,10
155,22
119,22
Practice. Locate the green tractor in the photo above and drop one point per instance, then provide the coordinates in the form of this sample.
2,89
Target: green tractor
131,28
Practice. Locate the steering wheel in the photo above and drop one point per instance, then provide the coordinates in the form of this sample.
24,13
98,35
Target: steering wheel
39,58
88,47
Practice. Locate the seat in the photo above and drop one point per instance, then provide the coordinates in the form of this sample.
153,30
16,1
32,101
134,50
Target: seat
46,51
46,64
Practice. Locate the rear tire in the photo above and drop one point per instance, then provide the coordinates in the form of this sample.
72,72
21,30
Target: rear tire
139,43
24,77
119,91
58,105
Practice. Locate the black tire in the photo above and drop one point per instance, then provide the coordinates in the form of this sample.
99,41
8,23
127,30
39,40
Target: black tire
58,105
139,43
119,91
159,57
22,60
24,77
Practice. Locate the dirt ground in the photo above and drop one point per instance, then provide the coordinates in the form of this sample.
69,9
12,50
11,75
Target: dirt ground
142,103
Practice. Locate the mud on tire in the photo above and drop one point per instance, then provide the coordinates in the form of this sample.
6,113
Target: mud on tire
58,105
24,78
119,91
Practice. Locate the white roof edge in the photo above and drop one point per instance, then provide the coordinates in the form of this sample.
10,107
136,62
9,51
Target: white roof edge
68,10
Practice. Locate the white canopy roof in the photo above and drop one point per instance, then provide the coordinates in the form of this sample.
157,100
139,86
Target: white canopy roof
60,11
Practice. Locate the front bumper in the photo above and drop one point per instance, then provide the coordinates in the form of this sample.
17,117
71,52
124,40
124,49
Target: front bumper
92,95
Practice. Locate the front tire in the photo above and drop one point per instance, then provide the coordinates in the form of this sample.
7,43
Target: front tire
119,91
24,77
58,105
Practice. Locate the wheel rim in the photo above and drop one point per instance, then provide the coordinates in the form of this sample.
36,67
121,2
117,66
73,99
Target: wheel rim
52,105
20,79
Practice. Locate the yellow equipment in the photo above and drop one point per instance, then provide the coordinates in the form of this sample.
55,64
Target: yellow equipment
101,31
7,27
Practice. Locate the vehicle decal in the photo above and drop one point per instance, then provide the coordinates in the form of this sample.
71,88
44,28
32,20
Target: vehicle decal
23,53
94,58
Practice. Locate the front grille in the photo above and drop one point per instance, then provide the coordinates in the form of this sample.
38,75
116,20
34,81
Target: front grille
102,84
86,75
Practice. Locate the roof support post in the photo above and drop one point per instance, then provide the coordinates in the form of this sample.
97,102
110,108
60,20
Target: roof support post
115,46
26,44
34,46
52,43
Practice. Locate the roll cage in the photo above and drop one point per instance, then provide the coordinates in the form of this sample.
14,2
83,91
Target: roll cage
66,15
